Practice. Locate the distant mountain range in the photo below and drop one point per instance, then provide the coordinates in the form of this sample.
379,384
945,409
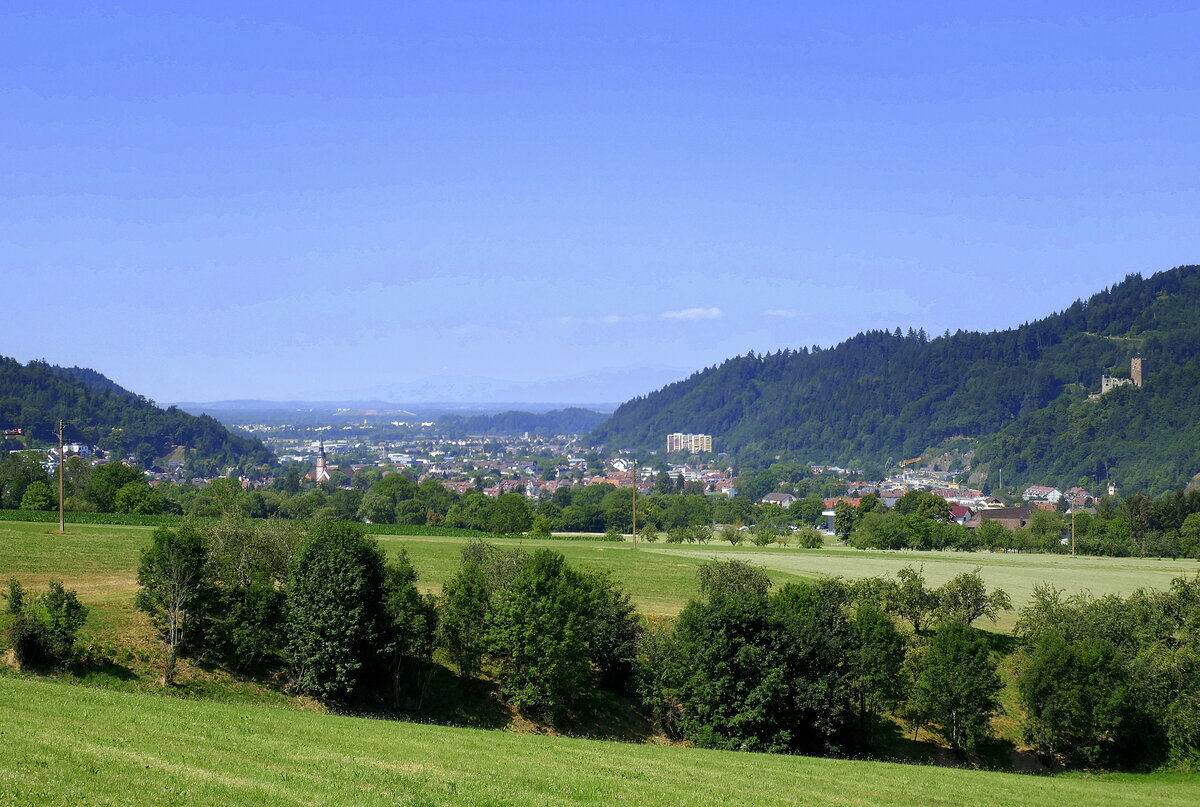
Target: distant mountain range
35,396
453,419
1016,400
429,409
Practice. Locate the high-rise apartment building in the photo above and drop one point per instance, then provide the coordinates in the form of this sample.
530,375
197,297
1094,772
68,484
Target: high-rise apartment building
691,443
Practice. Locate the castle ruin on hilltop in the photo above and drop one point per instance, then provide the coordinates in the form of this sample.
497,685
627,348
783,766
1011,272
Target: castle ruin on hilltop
1137,375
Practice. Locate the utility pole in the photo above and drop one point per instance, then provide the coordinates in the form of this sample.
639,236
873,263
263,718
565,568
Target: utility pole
1073,532
634,512
62,475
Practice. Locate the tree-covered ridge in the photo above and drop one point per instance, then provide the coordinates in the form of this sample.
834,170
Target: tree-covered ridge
883,396
91,378
571,420
34,397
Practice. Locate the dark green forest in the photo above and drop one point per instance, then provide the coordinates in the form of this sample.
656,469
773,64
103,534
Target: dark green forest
1019,395
571,420
34,396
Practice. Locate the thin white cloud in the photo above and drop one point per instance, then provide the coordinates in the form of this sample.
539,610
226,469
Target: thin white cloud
781,312
606,319
693,313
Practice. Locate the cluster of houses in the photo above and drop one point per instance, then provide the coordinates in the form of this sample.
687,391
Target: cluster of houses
968,506
619,473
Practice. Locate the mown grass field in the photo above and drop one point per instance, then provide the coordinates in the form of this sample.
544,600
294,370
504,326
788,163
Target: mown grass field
1018,574
66,745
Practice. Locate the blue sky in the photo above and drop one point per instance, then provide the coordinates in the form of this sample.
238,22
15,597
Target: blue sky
546,201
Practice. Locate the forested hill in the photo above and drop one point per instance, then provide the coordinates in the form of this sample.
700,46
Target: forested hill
35,396
1019,394
572,420
91,378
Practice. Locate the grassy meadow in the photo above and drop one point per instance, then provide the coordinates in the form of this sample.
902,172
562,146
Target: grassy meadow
230,740
1018,574
82,746
100,562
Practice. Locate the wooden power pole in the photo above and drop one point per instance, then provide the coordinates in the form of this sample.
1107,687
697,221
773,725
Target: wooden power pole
62,475
634,510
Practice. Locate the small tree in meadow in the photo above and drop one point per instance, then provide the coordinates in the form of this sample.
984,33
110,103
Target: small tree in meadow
38,496
966,598
171,576
733,535
957,689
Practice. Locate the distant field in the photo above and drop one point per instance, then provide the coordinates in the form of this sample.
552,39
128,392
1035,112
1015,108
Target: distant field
1017,574
68,745
101,562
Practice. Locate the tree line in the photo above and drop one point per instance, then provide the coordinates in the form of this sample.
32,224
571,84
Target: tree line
1134,525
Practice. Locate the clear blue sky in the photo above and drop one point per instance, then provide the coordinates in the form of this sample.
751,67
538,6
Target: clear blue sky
540,201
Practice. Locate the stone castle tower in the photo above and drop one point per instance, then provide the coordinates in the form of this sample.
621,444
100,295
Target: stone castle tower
1137,370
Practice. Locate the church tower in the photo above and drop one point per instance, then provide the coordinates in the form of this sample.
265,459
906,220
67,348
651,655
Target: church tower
322,474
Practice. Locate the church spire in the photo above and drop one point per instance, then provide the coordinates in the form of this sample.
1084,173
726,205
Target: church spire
322,473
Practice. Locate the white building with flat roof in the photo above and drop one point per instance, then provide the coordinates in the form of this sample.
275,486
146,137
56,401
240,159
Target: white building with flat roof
691,443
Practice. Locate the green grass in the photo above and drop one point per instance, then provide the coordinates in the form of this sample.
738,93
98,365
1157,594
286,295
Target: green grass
1017,574
77,746
658,583
101,563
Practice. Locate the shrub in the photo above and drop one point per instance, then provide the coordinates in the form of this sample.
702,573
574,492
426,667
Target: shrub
463,606
762,536
411,623
484,570
659,669
808,538
965,597
732,578
246,565
1076,699
336,624
760,673
555,633
43,629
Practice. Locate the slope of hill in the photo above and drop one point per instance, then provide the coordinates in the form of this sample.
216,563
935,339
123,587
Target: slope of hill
91,378
76,745
1020,394
572,420
35,396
